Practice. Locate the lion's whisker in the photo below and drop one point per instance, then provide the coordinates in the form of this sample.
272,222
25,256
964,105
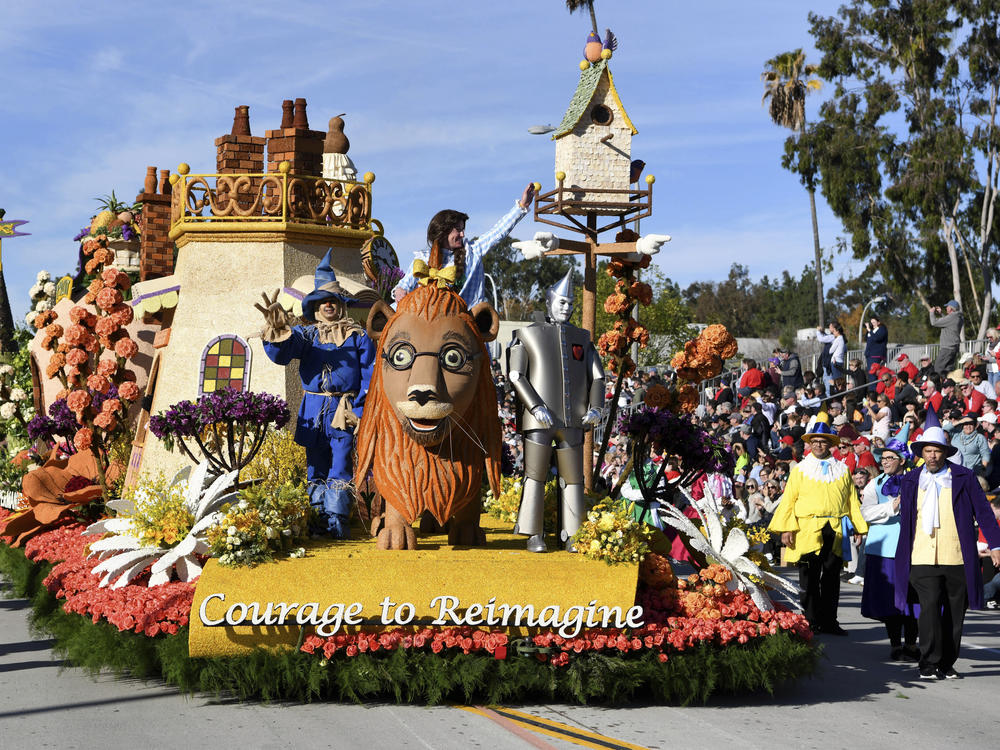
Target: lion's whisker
457,422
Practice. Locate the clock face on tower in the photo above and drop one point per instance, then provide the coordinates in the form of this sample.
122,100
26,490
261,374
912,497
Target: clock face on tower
376,255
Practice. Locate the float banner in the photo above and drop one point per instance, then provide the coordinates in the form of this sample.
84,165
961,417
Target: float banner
345,586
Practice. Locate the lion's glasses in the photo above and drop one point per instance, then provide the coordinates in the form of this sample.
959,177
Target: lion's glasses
452,357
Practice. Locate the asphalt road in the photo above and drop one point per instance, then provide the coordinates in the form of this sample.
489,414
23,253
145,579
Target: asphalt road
857,699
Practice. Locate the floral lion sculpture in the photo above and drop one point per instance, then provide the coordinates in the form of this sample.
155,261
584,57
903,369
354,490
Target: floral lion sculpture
430,428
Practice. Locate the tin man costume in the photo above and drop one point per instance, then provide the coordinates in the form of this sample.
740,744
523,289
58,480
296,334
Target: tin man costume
336,358
557,374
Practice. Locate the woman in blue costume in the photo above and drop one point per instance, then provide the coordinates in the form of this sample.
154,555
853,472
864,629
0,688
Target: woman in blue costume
880,508
335,364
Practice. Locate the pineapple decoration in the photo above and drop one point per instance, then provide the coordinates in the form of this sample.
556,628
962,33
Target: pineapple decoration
113,215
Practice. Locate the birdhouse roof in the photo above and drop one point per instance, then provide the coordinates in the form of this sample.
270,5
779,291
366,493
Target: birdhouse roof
585,89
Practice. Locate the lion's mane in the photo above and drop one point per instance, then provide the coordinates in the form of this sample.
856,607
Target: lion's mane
446,477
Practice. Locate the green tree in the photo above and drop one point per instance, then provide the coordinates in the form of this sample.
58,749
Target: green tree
521,283
668,318
787,81
907,146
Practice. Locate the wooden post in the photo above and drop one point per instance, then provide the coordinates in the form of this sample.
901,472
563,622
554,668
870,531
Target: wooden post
589,319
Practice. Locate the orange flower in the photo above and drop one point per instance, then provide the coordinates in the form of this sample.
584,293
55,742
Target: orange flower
657,396
78,400
687,398
719,338
642,292
128,391
640,334
89,246
83,439
616,304
126,348
106,368
76,357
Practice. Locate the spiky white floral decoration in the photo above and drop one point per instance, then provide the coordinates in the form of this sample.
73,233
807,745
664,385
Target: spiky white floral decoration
729,551
129,557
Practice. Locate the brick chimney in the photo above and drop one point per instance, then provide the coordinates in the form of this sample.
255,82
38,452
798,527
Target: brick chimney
156,249
239,152
295,142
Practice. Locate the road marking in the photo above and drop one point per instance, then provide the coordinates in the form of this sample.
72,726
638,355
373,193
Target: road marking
980,648
552,728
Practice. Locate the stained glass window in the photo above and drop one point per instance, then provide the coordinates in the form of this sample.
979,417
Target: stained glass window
225,363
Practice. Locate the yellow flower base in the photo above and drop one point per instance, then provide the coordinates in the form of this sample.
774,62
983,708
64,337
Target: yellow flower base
354,571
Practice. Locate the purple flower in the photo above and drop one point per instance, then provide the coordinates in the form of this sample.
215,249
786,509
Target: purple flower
127,233
83,233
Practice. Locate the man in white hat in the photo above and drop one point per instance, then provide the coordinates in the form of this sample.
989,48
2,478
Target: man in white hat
937,558
818,497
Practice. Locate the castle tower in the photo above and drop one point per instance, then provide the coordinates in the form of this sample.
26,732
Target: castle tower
236,238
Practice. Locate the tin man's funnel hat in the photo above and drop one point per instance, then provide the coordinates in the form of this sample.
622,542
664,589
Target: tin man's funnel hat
564,288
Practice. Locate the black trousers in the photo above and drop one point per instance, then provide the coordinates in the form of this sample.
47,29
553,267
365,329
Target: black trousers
943,598
819,580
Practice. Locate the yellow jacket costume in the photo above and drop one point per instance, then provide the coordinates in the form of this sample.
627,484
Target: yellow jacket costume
817,493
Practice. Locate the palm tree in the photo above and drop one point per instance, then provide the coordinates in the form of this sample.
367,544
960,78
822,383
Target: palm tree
787,80
574,5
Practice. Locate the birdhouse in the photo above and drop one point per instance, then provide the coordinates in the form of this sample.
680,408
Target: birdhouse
594,139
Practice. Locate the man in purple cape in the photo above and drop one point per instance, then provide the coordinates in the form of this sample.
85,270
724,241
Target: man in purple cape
937,559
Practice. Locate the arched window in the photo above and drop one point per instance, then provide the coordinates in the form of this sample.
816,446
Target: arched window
225,363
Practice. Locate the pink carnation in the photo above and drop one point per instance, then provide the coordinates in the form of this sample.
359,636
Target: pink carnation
107,420
90,343
106,368
108,298
122,314
75,335
106,326
83,439
98,383
111,405
78,313
76,357
110,276
128,391
78,401
126,348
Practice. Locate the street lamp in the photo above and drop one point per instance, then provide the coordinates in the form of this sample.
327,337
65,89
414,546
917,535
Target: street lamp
871,303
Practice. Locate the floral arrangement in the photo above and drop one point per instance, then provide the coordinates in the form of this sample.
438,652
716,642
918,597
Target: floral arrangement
79,356
265,520
676,435
15,405
388,277
612,535
614,344
703,357
506,506
43,296
225,427
57,429
279,461
136,607
116,220
161,526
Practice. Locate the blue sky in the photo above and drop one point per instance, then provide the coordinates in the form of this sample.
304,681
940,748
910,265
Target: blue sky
438,96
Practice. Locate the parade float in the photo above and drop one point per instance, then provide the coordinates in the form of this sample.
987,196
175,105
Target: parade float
167,524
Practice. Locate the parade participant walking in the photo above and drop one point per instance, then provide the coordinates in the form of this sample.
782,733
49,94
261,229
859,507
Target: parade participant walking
951,334
880,508
335,365
461,261
937,558
818,497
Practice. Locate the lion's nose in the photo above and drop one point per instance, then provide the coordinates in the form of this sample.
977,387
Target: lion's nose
421,393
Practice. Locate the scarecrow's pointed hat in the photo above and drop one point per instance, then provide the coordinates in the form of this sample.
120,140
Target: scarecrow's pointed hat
325,286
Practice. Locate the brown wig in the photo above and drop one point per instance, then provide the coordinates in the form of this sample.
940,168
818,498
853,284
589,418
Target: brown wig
438,230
